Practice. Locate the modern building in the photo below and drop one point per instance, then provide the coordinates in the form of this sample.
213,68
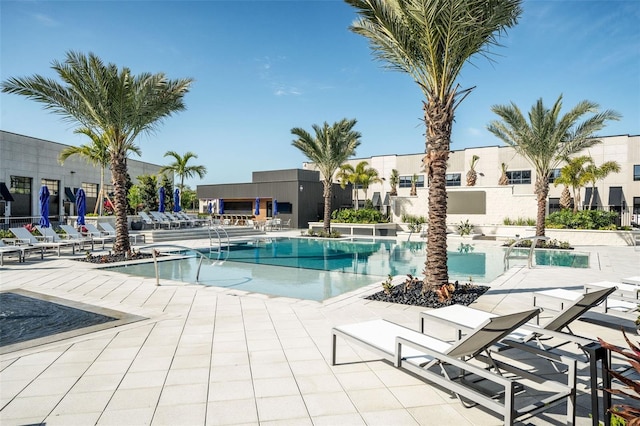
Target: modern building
490,203
297,194
27,163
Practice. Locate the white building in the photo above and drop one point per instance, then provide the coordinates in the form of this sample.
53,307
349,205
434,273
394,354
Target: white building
487,202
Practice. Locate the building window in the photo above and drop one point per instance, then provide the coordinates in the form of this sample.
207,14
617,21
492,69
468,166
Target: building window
636,205
636,172
519,177
405,182
453,179
554,205
109,189
90,189
555,174
285,208
52,185
21,185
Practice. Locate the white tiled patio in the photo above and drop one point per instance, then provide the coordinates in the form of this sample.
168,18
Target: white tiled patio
211,356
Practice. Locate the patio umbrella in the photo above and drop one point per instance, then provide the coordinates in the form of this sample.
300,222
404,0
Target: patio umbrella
221,206
161,195
44,207
210,207
275,207
176,200
257,209
81,205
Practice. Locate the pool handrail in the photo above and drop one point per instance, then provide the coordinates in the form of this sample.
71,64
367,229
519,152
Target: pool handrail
534,242
156,252
218,229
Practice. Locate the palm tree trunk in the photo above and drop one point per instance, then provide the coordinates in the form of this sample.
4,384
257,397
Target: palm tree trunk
542,191
119,174
327,205
438,118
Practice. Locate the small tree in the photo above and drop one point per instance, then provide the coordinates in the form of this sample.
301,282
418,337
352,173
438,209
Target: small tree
134,197
168,191
574,176
394,180
595,173
472,175
414,183
149,191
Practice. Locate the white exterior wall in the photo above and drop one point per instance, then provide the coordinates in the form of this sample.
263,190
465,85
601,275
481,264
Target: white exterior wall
38,159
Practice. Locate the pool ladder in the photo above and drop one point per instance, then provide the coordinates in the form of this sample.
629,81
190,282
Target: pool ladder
221,236
182,248
529,257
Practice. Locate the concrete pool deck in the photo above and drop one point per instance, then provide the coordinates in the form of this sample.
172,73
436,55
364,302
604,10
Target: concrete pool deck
211,356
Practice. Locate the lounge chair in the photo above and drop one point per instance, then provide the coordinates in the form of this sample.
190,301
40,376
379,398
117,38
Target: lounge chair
50,235
77,235
27,237
148,220
6,249
623,301
180,221
111,231
98,235
162,219
432,358
464,319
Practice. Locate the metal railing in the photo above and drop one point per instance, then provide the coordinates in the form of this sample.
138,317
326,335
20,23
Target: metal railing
529,257
181,248
220,233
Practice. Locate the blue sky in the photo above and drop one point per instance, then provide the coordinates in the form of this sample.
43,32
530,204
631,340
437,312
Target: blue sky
264,67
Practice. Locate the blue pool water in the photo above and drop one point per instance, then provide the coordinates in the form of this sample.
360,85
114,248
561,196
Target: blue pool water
318,269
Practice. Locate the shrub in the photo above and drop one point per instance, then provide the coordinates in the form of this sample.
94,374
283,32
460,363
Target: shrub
521,221
357,216
550,244
323,234
465,228
584,219
415,222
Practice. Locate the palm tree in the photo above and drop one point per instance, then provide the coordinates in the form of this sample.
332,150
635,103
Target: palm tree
472,175
180,167
548,139
112,103
328,149
574,176
96,153
360,175
394,180
595,173
504,179
431,41
414,185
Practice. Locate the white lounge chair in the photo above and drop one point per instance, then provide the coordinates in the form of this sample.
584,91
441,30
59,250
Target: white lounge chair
27,237
162,219
10,249
98,235
77,235
50,235
432,358
111,231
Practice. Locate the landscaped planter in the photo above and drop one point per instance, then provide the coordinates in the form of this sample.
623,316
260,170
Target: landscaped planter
359,229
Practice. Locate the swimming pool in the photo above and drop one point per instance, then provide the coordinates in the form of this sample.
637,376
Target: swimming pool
318,269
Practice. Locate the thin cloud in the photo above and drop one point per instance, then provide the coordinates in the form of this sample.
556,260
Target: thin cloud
46,20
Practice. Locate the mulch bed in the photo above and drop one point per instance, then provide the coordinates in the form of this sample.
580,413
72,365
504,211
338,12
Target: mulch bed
464,294
112,257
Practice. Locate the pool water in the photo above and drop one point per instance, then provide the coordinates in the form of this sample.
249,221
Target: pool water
318,269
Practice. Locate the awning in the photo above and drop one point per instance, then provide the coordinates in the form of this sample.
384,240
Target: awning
376,199
69,193
387,201
616,197
4,191
596,197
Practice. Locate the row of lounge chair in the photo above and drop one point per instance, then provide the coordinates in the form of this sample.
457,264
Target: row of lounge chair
159,220
467,365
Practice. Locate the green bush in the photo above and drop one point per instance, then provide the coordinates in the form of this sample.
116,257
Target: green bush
323,234
414,222
584,219
358,216
521,221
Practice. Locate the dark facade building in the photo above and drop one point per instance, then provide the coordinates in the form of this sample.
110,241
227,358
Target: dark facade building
297,192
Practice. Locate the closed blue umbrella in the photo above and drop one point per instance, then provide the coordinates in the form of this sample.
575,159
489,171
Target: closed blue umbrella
44,207
275,207
257,209
161,195
210,208
81,204
220,206
176,200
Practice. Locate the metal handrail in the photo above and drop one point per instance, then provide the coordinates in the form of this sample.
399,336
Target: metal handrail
156,252
534,242
218,230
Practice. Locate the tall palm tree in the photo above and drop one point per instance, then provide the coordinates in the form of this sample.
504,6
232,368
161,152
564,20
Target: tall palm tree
548,139
574,175
595,173
181,168
328,149
111,102
96,153
431,40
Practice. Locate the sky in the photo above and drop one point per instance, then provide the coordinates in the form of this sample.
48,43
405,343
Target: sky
261,68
